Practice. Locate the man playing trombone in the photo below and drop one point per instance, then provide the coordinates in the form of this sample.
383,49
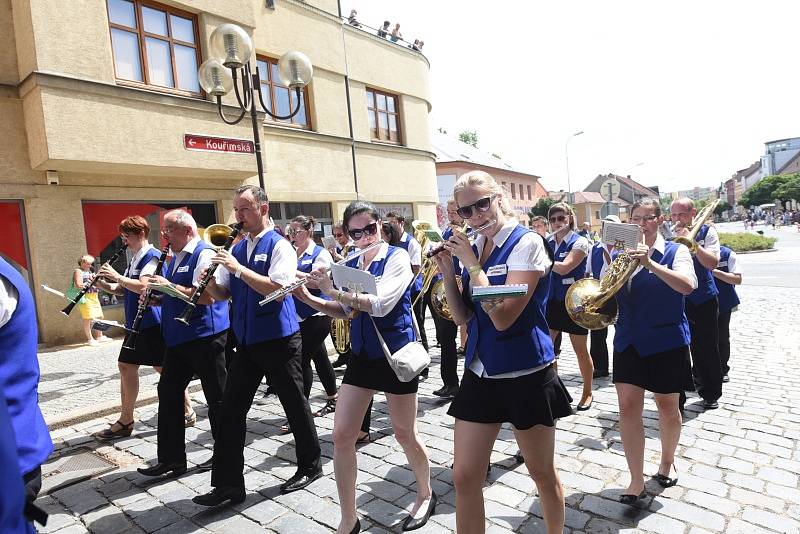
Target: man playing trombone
269,342
701,305
196,349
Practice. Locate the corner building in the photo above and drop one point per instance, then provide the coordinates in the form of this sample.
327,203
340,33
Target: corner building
96,99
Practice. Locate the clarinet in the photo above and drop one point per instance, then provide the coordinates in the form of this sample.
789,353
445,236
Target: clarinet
88,285
144,302
192,304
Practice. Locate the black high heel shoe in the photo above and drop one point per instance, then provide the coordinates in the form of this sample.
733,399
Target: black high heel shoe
411,523
629,499
664,480
356,527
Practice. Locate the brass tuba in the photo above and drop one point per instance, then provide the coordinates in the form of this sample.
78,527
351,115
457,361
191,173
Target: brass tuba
697,222
340,333
590,302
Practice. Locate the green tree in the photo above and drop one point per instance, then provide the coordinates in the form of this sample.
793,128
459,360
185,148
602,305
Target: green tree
721,207
764,191
542,207
790,190
469,137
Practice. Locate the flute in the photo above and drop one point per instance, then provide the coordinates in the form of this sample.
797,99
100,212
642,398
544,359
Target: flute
192,304
88,285
285,290
473,232
144,301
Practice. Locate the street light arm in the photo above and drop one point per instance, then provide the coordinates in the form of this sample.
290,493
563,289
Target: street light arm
297,96
243,103
222,113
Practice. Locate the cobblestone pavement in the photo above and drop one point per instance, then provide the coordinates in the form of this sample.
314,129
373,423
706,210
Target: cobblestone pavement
738,465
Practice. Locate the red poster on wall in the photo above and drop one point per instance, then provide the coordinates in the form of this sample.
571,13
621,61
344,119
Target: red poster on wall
101,222
12,245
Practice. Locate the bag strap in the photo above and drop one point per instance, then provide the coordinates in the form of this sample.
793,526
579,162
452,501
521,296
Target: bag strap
385,348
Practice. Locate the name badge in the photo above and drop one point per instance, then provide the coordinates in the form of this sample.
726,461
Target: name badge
567,281
701,242
135,272
495,270
562,254
306,262
722,264
261,257
184,269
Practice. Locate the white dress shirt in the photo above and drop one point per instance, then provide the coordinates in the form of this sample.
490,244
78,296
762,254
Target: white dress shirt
282,264
396,278
9,297
528,254
711,241
682,263
414,249
734,267
581,244
148,269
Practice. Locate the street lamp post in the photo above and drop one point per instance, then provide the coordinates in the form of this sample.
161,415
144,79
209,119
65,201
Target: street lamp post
231,49
566,157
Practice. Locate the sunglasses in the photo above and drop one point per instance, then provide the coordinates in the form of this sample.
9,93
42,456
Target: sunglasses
558,218
358,233
482,205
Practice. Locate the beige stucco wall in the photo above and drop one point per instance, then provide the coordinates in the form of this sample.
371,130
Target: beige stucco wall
62,110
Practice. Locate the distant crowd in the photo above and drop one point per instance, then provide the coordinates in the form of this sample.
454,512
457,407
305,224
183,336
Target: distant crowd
385,32
775,219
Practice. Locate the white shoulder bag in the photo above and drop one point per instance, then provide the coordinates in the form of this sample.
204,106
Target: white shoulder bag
410,360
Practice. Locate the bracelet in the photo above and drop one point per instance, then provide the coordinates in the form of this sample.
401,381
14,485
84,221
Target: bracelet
121,282
474,269
339,296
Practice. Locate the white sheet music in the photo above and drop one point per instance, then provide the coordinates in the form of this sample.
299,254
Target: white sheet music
354,280
629,234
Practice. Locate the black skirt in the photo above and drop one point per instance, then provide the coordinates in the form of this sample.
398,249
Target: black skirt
559,319
665,372
535,399
149,349
376,374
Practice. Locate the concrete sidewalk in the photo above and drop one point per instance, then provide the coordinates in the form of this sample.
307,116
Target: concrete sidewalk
738,465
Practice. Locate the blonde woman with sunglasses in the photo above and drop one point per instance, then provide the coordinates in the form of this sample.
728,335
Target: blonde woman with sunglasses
508,375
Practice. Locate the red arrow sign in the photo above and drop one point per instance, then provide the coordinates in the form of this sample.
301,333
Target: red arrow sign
207,143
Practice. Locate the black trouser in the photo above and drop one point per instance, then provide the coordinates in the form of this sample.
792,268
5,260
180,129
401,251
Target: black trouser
706,366
281,360
599,349
419,313
204,357
446,332
557,344
33,484
723,328
313,331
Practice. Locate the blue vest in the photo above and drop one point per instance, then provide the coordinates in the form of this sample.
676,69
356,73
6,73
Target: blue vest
706,290
395,327
19,376
305,264
456,264
152,316
651,314
206,320
526,343
416,285
12,503
597,259
728,299
559,282
253,323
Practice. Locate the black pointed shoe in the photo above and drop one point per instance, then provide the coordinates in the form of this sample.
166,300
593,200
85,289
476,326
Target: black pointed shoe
412,523
356,527
206,466
629,499
176,468
300,481
220,494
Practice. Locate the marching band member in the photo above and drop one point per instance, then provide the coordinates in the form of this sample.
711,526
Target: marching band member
727,275
197,349
447,330
314,326
149,349
651,346
570,252
412,246
702,306
269,342
596,267
509,376
369,370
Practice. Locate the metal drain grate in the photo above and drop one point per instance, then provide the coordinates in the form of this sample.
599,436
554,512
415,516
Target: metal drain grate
76,467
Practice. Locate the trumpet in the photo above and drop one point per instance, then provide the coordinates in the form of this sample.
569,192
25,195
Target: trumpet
471,233
68,308
285,290
192,304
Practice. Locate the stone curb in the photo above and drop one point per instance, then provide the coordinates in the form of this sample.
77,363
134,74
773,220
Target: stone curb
758,251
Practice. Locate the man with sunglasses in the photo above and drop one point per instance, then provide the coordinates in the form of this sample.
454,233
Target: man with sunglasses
414,250
702,306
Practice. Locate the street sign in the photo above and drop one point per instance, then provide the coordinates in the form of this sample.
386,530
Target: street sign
609,189
609,209
208,143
